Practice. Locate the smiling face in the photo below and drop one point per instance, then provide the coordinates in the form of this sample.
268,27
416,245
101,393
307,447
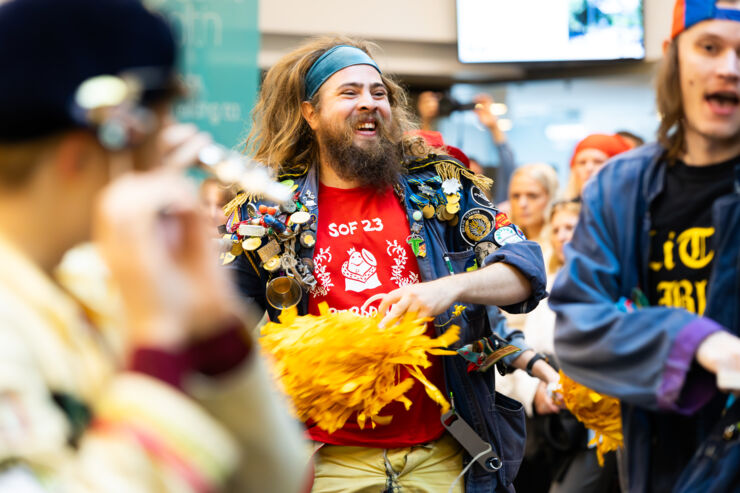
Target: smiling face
354,101
353,123
709,68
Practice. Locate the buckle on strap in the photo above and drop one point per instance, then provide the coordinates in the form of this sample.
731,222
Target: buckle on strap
479,450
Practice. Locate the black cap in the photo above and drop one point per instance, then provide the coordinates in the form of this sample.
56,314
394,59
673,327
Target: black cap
49,47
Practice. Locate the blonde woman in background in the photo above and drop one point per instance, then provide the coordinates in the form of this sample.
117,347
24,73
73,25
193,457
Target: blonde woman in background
531,190
533,187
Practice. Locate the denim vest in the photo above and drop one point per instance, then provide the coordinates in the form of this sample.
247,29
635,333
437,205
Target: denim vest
497,419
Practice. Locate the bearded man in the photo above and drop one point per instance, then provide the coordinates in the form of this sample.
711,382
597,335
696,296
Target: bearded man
384,220
665,219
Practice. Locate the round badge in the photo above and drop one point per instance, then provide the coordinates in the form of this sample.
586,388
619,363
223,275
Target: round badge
475,225
454,221
251,230
453,208
442,213
308,239
479,197
273,264
483,250
300,217
453,198
252,209
251,244
417,215
428,211
505,235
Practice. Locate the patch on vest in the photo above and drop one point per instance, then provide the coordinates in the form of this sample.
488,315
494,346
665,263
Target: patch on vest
475,225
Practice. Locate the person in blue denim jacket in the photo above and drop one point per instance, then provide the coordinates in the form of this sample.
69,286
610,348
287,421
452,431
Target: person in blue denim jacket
647,303
328,120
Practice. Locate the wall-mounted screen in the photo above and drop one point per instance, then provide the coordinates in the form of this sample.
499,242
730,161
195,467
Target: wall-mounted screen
495,31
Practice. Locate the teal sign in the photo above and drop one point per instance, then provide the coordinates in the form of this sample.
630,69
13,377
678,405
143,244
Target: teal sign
219,43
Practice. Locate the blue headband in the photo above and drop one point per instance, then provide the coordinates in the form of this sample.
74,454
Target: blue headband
331,62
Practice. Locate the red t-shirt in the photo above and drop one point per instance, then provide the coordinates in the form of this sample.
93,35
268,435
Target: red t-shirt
360,251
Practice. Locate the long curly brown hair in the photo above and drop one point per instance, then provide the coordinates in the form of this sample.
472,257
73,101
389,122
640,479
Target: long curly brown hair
280,137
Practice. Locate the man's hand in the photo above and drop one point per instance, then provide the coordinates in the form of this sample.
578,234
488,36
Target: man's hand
543,403
482,110
426,299
154,240
496,284
180,144
720,354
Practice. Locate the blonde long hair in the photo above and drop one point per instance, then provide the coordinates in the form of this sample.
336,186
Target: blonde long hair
283,140
571,206
545,176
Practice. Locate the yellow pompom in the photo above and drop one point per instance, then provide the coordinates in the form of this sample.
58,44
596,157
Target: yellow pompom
337,364
598,412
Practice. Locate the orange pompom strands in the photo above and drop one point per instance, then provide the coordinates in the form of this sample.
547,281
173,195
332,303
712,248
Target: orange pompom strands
598,412
338,364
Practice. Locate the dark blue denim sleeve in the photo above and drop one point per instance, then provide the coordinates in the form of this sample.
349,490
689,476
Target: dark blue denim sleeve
526,257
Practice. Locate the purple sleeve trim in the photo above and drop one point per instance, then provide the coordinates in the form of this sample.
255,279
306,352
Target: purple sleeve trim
682,391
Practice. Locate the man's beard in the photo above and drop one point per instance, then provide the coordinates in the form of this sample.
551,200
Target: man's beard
376,164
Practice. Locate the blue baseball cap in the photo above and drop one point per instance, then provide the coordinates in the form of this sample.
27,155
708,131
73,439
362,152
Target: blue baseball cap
686,13
48,48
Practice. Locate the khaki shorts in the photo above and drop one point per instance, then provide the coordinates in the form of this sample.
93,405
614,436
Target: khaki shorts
427,468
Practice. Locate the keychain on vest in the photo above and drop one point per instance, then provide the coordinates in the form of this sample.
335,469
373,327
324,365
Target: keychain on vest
480,451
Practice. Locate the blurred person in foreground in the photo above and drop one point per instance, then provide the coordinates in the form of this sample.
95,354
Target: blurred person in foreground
331,121
188,406
647,300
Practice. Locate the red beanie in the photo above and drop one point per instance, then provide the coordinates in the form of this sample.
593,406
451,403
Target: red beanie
611,145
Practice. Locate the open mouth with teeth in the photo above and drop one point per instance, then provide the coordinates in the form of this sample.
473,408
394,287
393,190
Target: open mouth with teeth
723,102
365,128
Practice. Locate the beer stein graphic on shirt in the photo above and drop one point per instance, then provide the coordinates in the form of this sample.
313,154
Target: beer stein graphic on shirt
360,271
